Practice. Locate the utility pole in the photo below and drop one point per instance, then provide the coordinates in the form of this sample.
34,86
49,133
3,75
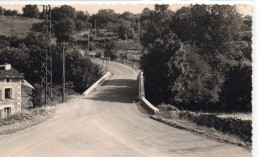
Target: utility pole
46,74
106,63
12,31
88,43
3,16
63,73
139,28
50,52
95,29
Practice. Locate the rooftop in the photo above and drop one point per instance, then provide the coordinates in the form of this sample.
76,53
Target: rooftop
6,71
128,45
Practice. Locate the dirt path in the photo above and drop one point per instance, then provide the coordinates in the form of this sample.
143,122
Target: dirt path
108,124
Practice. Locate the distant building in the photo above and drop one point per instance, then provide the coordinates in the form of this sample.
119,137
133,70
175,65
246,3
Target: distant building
11,82
128,46
129,49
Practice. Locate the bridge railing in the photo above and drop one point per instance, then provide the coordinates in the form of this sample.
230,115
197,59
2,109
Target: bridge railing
143,101
97,84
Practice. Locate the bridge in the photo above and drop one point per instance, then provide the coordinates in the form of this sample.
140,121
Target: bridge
107,123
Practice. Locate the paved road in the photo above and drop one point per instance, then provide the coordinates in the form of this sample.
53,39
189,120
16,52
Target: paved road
108,124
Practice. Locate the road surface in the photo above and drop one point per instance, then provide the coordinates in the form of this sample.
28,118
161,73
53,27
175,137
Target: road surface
108,124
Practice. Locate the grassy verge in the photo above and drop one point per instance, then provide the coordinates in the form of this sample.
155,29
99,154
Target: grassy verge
18,26
171,116
25,119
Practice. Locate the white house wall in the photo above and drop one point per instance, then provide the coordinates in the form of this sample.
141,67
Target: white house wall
15,102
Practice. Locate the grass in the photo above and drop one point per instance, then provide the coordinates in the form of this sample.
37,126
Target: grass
25,119
17,26
169,116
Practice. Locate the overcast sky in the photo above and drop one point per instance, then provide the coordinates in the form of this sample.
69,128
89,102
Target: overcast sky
120,8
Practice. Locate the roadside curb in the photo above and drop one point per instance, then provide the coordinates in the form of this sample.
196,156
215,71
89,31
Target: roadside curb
141,96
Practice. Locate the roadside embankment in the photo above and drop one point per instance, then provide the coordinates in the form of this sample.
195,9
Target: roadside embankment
230,130
25,119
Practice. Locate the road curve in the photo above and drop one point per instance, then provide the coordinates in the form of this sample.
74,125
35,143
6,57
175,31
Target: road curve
108,124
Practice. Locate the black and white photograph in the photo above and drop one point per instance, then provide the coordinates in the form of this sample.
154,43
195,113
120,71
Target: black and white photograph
127,79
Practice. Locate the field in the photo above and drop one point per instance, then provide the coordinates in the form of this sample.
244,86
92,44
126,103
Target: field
17,26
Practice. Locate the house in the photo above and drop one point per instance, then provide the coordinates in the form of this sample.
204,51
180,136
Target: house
128,46
11,82
129,49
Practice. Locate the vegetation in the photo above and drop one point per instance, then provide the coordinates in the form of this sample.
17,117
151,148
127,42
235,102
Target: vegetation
229,129
198,58
25,54
25,119
8,12
31,11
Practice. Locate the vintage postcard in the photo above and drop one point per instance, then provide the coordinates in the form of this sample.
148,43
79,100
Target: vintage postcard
128,79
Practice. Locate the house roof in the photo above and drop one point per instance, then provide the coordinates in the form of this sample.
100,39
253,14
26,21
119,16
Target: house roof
12,73
128,45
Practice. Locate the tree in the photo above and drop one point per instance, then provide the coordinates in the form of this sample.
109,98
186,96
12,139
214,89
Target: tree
82,20
31,11
80,70
207,25
63,12
212,69
155,61
158,25
145,15
109,49
103,17
125,31
127,16
64,23
11,12
64,30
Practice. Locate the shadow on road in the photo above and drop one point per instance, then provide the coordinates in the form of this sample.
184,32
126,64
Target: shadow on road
117,90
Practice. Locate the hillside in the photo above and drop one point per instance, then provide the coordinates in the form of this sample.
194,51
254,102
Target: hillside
18,26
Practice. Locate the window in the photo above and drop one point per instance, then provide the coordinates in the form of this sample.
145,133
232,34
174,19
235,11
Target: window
8,93
7,111
8,80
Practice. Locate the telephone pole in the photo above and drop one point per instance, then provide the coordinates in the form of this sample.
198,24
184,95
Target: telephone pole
95,29
3,16
88,43
139,28
63,73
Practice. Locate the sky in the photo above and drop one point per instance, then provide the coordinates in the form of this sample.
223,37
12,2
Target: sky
245,9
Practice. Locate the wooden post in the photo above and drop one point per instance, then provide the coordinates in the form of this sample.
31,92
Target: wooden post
139,28
95,29
63,74
88,43
3,16
106,64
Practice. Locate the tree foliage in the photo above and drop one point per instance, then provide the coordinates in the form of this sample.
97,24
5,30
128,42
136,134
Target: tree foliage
209,68
25,56
31,11
64,23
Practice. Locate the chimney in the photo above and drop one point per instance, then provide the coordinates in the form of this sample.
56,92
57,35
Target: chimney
8,66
